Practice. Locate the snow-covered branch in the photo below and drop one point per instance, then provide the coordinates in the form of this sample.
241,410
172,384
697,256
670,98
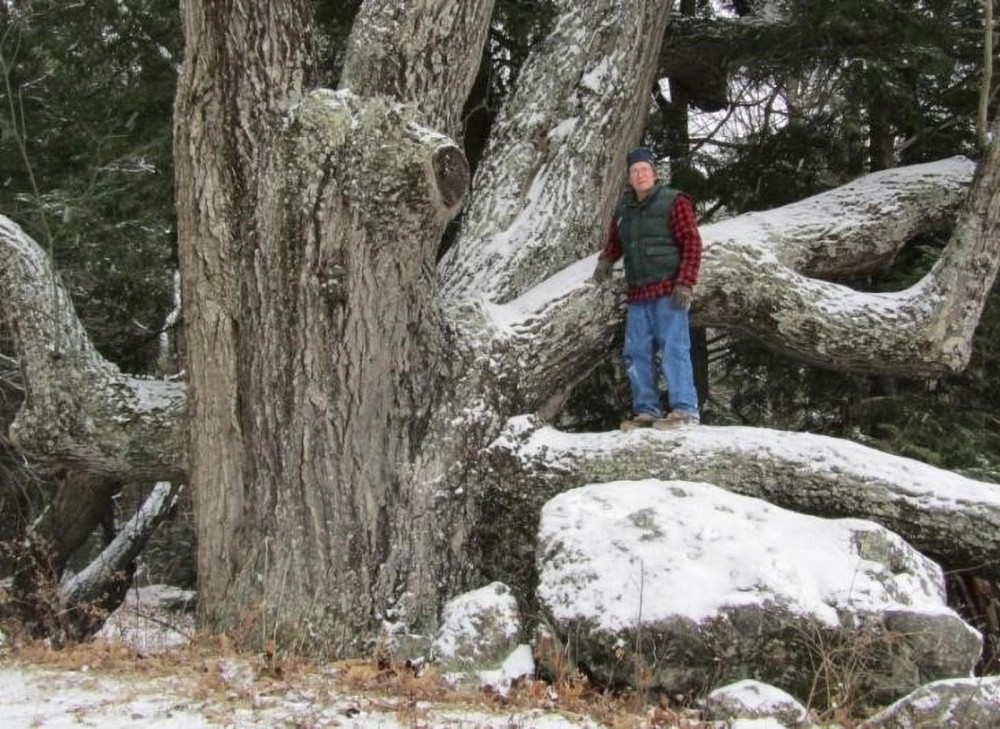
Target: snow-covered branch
543,193
112,568
953,519
757,278
78,407
756,285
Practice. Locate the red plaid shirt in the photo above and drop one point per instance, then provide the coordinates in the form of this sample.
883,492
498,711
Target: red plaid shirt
684,229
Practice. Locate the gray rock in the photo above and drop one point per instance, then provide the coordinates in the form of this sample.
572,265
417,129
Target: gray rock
751,699
961,703
479,629
678,587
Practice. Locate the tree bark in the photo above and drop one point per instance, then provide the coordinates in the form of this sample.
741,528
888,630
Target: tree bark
244,63
419,54
308,227
79,409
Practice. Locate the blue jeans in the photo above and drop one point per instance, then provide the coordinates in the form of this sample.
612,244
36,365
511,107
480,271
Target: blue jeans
652,327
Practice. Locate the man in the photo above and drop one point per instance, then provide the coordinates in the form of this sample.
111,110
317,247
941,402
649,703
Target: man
655,228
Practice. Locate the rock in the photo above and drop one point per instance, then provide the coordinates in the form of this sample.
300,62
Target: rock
960,703
750,699
152,619
479,630
678,587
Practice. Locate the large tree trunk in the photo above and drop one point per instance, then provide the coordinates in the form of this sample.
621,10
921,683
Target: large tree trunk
308,228
244,64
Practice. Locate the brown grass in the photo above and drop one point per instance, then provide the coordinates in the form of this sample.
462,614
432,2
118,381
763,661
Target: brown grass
411,695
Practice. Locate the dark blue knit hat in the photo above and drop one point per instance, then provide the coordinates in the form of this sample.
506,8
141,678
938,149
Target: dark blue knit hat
640,154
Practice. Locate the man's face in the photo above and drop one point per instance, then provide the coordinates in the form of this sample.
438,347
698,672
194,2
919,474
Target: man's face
641,177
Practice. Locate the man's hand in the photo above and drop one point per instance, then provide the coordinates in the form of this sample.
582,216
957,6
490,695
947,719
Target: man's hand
681,297
602,272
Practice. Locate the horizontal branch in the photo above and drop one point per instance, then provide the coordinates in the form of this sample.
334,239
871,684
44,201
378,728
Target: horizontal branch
756,279
953,519
78,407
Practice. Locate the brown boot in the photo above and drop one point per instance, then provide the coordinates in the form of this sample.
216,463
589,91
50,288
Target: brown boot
677,419
641,420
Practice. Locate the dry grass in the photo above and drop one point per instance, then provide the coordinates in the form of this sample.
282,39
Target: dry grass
213,674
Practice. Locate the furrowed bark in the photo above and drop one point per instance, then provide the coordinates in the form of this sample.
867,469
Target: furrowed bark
245,62
424,52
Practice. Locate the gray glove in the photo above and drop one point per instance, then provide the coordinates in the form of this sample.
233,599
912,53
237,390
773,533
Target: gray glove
602,272
682,296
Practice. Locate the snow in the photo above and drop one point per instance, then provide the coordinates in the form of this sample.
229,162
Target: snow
519,664
813,453
464,617
725,550
57,699
757,700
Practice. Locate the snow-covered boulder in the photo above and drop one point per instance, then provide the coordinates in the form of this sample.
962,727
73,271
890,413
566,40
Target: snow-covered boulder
749,699
688,586
958,703
479,629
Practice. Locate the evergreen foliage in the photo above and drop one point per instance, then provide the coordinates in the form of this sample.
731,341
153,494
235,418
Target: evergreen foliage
86,152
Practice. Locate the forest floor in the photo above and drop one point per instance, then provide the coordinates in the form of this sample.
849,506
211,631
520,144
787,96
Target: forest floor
111,685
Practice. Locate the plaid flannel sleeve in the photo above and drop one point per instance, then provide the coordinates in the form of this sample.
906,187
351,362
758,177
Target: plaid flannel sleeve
684,228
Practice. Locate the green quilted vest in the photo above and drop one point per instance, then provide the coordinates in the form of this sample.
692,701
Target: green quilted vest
651,254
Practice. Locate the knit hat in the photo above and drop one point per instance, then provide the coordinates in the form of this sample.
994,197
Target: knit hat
640,154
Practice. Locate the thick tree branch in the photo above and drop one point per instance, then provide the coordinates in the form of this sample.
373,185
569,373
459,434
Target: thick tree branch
542,194
101,586
755,279
423,52
924,331
78,407
953,519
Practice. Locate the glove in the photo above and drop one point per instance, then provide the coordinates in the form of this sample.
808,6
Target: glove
602,272
682,296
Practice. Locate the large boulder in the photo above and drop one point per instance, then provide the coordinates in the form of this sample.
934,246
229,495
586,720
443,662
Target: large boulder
680,587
